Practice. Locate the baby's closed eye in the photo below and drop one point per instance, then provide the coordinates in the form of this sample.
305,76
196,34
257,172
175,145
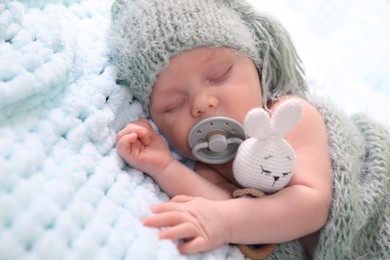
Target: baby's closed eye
219,74
174,104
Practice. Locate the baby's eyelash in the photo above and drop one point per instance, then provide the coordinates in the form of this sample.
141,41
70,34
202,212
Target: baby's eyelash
222,76
175,107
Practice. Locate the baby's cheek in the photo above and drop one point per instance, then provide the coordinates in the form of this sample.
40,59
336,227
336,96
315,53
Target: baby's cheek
180,145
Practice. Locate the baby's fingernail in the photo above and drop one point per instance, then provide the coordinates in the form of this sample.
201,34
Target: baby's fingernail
152,208
161,235
144,221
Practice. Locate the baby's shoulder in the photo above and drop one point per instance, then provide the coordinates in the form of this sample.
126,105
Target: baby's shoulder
272,106
311,122
308,110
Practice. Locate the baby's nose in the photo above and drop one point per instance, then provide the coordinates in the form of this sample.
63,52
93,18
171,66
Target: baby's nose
203,104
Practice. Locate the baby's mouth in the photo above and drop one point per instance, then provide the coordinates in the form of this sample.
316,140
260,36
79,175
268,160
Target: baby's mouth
215,140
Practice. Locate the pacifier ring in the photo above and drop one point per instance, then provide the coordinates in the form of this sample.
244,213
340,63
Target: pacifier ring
215,140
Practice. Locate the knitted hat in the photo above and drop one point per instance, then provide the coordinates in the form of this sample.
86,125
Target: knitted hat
146,34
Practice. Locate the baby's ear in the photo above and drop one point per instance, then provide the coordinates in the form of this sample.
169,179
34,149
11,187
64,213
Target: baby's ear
286,116
257,124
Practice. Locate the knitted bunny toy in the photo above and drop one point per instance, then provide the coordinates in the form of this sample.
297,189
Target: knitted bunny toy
264,162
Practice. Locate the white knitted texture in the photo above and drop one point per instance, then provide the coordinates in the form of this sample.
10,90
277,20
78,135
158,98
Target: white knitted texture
266,161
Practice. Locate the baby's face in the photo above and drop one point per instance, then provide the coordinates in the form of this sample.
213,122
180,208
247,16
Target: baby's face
199,84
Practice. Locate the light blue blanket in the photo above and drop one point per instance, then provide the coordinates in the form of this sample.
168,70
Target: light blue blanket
64,192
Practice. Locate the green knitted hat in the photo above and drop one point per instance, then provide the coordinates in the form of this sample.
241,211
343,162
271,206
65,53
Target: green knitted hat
146,34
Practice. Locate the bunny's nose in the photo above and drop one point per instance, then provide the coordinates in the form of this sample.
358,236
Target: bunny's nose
276,178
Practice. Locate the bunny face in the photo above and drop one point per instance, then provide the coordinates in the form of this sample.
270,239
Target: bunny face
265,161
269,169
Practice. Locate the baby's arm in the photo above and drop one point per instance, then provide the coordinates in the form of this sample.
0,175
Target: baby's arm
303,206
177,179
141,147
297,210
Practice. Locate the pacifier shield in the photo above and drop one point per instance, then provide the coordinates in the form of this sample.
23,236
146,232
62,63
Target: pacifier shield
215,140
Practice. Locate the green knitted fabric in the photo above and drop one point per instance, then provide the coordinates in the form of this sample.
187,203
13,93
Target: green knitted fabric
146,34
359,223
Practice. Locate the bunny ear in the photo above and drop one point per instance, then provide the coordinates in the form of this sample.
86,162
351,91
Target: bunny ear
286,116
257,124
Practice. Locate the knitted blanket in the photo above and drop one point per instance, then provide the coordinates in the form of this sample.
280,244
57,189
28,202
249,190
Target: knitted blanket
64,192
359,223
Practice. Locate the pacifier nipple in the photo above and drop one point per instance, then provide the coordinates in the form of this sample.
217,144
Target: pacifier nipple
215,140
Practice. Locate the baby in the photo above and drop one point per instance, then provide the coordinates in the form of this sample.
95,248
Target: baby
189,60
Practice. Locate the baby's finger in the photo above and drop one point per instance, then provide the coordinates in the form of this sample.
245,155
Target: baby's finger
132,128
166,219
196,245
128,147
145,138
124,143
166,207
181,231
141,132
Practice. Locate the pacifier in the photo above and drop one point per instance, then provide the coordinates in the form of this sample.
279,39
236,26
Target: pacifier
215,140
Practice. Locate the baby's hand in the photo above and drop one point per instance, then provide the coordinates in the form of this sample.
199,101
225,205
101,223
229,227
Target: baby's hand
196,221
143,148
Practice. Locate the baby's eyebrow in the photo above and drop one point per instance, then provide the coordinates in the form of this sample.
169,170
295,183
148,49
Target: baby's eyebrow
211,56
216,55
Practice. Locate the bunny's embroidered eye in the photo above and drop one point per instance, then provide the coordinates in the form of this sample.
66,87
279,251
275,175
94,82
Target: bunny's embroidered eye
264,171
268,157
286,173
